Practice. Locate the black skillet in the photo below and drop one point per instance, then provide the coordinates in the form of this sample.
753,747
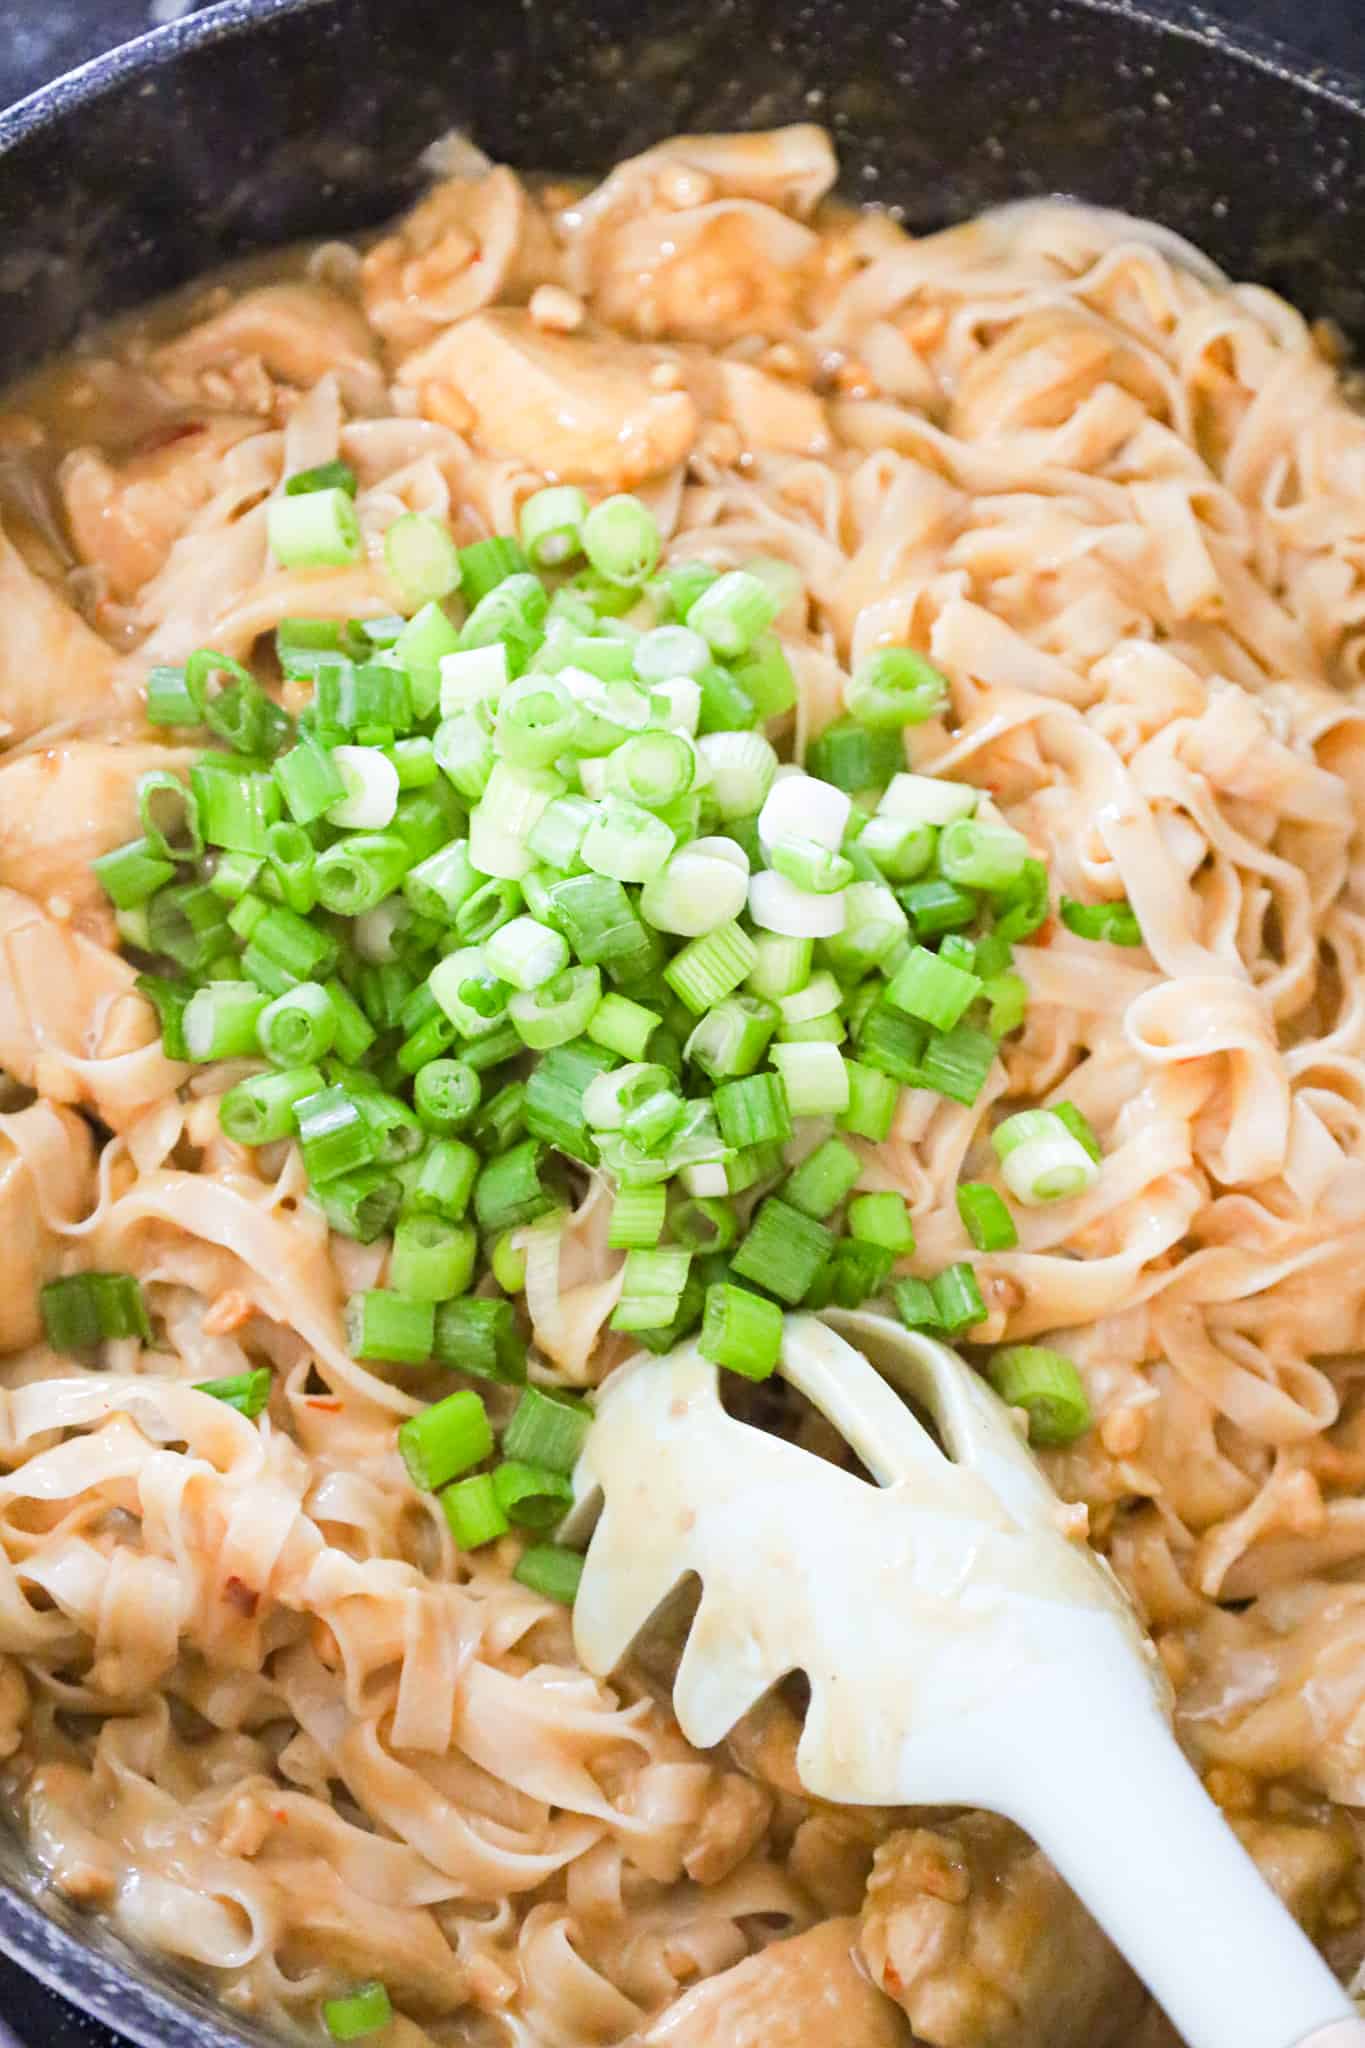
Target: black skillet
265,120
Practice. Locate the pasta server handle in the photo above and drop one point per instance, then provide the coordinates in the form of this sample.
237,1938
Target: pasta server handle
960,1647
1126,1821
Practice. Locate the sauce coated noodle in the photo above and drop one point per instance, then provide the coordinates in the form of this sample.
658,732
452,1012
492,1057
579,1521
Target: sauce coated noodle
252,1703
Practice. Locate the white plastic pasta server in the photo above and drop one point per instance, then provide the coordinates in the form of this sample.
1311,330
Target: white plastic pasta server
960,1648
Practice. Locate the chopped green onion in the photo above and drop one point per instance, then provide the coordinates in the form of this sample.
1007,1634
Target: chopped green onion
1023,907
731,613
335,1135
651,1288
882,1219
364,2011
220,1021
1041,1160
537,718
308,780
892,1043
507,1262
934,907
622,1026
92,1308
932,989
484,564
637,1218
781,965
708,969
547,1429
247,1392
1007,995
550,1570
626,841
900,849
858,1269
955,1063
359,871
853,758
480,1337
169,815
915,1305
927,800
298,1027
813,1076
704,1223
371,785
957,1298
987,1221
433,1259
784,1251
472,1512
381,1324
552,525
620,538
261,1108
765,676
981,856
327,476
443,1182
130,875
445,1094
741,1331
1114,922
317,530
530,1495
525,953
895,687
1047,1386
445,1440
731,1040
509,1190
753,1110
823,1179
559,1010
1079,1127
171,700
421,558
361,1204
236,809
701,887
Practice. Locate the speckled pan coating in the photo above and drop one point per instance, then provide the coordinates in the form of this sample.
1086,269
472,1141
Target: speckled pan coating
265,120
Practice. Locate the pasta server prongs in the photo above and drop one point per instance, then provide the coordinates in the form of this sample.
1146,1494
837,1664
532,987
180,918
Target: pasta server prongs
961,1644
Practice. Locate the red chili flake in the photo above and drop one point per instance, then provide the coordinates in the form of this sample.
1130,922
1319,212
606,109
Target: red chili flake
238,1594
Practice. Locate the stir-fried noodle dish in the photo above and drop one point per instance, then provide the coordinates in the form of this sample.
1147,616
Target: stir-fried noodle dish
597,768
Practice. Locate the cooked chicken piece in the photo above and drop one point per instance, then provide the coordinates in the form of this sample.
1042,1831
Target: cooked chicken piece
1307,1863
72,1024
47,1159
716,274
53,668
804,1993
470,241
972,1931
297,332
124,516
61,808
732,1823
578,409
771,413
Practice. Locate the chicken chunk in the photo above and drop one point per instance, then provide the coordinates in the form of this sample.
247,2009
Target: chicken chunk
770,413
716,274
72,1024
296,333
579,409
47,1160
52,666
469,242
791,167
64,806
804,1993
124,516
974,1934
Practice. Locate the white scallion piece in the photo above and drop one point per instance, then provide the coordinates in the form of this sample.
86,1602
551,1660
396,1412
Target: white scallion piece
1040,1159
801,807
924,800
371,789
472,676
777,905
695,892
